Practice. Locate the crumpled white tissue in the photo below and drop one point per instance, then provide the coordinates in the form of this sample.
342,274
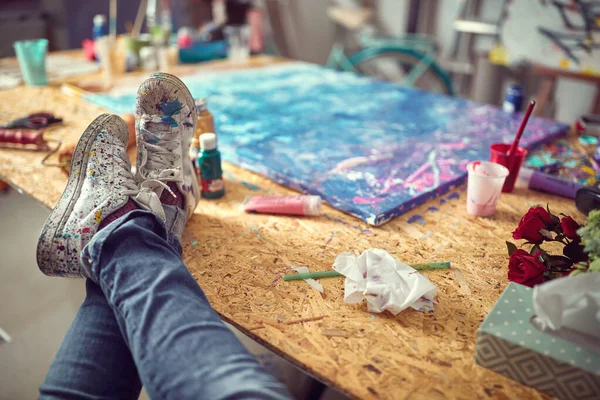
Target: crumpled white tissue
386,284
569,307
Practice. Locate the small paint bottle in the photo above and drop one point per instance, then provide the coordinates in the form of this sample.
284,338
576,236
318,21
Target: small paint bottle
100,27
204,123
513,99
209,161
99,30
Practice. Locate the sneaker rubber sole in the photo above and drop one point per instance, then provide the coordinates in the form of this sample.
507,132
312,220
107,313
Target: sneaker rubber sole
47,255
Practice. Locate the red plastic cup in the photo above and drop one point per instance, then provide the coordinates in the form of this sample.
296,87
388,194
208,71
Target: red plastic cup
498,154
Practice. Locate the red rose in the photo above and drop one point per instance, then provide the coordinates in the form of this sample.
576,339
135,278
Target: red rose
569,227
525,268
529,227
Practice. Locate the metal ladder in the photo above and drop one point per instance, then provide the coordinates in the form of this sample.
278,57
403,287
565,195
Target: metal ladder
467,27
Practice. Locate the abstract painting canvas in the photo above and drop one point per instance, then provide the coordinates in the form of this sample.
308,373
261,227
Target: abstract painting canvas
370,148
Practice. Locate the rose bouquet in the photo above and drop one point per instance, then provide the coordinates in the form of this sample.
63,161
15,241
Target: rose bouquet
580,247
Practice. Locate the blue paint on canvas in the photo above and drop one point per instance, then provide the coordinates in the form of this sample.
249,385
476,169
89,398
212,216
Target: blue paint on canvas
369,148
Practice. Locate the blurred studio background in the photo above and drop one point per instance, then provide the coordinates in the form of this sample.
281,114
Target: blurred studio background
483,46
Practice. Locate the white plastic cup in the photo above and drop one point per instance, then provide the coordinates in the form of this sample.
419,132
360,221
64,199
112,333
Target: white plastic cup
31,55
105,50
485,183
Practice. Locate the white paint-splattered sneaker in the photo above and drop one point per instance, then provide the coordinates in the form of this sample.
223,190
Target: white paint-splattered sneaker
165,124
99,190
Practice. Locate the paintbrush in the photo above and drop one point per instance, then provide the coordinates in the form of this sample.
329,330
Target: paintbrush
515,144
332,273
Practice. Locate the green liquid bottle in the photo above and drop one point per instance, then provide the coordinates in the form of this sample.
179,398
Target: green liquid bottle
209,162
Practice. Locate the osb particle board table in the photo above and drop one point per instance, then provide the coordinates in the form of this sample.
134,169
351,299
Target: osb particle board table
238,259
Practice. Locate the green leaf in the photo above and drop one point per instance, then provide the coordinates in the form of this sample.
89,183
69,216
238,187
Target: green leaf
559,263
558,230
548,275
581,266
592,245
575,251
554,220
544,254
511,248
546,233
590,234
552,216
595,266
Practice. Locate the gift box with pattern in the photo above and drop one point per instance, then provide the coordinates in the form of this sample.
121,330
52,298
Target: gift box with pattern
509,344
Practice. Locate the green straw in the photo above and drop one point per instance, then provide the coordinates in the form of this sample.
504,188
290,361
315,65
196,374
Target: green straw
309,275
433,265
332,273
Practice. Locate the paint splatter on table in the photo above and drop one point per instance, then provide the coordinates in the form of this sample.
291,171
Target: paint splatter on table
560,158
369,148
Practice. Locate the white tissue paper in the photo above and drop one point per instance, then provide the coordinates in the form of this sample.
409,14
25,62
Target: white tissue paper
386,284
569,307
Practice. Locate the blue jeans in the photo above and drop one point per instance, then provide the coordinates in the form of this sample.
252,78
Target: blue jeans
146,321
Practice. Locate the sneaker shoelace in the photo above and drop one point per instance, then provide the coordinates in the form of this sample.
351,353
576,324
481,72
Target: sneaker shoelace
145,194
157,154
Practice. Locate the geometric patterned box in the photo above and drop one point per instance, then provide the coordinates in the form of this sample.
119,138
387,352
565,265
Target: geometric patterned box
507,343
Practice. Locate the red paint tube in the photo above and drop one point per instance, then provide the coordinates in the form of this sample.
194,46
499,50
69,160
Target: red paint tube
286,205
